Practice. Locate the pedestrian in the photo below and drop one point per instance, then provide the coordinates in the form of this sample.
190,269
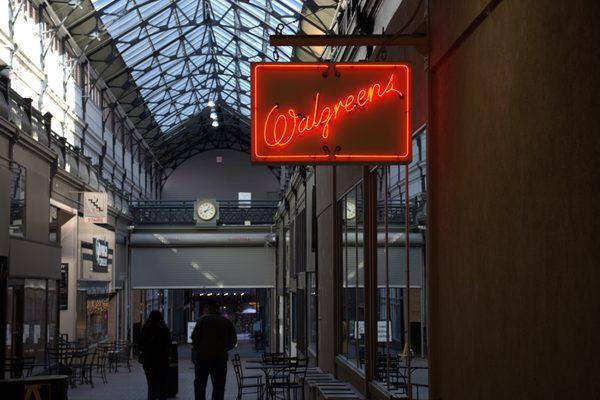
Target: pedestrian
154,344
213,336
257,333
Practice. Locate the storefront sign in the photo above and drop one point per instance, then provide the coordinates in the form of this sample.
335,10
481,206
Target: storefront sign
64,286
100,256
317,113
95,207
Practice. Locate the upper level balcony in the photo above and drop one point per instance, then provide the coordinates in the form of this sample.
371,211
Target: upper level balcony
20,113
231,212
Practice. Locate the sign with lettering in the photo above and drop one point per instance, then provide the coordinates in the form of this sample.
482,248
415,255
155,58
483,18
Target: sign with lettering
64,286
95,207
320,113
100,256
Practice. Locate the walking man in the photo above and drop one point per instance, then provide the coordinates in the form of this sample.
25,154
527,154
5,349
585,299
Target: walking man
213,336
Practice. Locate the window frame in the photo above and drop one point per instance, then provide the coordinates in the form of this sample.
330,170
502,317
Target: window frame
23,177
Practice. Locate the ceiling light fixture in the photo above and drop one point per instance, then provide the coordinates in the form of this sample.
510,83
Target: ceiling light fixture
211,103
213,115
215,124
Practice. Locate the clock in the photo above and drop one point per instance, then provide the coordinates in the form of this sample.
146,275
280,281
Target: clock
350,209
206,210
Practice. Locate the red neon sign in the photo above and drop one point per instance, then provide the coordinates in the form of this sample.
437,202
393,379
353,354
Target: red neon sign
317,113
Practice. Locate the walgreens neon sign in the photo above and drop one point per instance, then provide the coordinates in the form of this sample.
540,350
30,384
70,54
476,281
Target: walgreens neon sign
324,113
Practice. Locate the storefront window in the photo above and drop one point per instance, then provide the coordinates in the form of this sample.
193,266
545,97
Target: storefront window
17,200
53,226
97,317
34,319
9,321
81,320
31,319
392,252
353,289
52,313
312,314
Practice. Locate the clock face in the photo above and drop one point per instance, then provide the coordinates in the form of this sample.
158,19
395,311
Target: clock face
206,210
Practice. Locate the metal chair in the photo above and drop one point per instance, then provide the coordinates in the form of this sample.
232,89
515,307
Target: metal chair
19,367
97,365
289,380
78,364
242,380
120,354
59,361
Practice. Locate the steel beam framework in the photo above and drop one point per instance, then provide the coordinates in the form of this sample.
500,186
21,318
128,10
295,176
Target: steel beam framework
165,61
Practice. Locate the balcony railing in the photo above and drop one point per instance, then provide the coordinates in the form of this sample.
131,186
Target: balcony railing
231,212
20,112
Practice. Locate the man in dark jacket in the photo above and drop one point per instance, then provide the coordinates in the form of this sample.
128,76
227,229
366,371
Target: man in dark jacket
154,345
213,336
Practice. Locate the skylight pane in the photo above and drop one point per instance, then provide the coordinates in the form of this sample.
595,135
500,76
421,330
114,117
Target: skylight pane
185,72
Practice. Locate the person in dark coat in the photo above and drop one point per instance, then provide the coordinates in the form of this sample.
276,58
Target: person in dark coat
213,336
154,344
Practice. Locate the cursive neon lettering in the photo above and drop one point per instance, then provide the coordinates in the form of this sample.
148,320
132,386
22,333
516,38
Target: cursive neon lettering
303,125
349,101
280,133
360,98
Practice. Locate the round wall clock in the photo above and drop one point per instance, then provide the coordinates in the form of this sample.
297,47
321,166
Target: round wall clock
206,210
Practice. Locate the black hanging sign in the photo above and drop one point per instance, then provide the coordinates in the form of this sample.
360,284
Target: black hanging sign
64,286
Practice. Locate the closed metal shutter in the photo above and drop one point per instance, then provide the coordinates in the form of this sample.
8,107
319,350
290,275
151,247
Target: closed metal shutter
202,267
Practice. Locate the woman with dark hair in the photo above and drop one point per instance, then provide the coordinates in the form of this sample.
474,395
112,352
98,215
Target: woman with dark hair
155,341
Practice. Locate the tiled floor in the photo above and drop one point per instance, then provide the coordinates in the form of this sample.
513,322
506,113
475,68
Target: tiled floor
125,385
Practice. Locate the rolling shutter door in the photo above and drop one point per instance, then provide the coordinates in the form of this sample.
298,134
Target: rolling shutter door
203,267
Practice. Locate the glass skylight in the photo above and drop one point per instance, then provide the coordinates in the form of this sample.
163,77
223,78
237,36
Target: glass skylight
184,53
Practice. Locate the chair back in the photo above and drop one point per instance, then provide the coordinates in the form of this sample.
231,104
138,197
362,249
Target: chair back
273,358
79,355
297,371
237,368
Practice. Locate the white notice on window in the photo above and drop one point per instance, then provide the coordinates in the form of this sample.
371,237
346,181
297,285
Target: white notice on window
25,333
191,326
244,199
36,333
382,336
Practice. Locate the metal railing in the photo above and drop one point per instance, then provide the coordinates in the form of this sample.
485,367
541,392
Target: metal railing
231,212
20,112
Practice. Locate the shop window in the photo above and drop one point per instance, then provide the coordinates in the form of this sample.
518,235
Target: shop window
392,292
34,319
17,200
312,313
294,317
53,235
52,313
299,228
353,287
97,317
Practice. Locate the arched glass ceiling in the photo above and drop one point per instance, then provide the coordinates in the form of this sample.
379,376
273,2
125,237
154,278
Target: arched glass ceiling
183,53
